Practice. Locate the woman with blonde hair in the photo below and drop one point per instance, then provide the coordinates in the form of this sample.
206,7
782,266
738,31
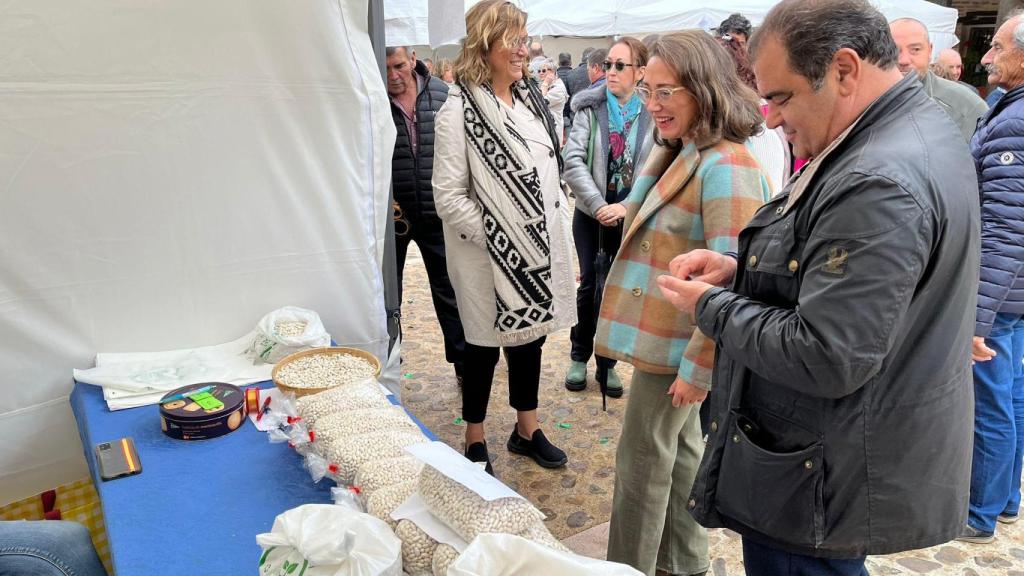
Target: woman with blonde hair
699,187
498,192
443,71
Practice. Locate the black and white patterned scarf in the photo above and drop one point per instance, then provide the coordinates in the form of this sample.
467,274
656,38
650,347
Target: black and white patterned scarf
508,188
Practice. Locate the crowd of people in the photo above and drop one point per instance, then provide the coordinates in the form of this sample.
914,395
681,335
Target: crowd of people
807,240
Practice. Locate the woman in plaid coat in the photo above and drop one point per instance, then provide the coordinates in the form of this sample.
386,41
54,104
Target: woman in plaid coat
698,188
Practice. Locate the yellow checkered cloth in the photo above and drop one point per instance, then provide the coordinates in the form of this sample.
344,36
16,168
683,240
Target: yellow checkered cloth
77,502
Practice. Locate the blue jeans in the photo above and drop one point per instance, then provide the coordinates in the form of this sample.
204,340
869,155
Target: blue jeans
761,560
47,548
998,425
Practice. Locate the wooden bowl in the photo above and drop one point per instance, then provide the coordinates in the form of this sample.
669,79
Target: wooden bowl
299,392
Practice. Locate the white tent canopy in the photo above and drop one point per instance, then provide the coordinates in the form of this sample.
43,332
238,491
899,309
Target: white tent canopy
407,21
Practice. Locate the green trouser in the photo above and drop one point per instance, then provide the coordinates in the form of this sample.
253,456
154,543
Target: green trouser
656,463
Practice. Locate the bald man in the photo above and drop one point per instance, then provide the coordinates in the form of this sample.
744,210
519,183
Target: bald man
963,106
949,60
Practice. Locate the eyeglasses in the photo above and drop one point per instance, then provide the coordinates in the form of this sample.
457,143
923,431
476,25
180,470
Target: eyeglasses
661,94
619,66
521,43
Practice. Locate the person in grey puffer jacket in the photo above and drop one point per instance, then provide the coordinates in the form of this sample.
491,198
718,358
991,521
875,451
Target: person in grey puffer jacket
610,138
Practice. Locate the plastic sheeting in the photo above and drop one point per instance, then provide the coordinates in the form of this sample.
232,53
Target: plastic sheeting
169,172
425,22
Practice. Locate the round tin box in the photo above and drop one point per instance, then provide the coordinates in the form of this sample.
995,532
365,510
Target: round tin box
183,417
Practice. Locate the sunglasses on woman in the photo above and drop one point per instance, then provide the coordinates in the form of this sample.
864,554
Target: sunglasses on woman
619,66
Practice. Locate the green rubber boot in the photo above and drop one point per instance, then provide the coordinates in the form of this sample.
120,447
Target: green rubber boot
576,377
614,384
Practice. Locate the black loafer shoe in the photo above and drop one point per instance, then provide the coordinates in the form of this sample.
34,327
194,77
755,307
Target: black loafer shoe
1007,518
477,452
538,447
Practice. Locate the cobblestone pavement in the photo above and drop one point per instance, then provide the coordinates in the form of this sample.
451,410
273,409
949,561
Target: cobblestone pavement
578,497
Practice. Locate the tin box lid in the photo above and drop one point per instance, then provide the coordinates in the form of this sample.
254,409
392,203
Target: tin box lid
176,405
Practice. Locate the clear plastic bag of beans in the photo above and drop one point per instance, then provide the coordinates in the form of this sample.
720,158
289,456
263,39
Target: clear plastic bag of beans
377,474
358,396
346,454
356,422
384,501
469,514
417,548
444,556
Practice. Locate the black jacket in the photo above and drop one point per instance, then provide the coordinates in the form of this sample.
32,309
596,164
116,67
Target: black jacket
410,175
564,72
842,412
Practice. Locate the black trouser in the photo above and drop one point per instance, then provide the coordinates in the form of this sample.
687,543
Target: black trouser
429,237
584,233
523,378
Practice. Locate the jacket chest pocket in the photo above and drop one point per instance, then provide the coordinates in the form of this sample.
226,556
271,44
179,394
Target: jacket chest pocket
771,261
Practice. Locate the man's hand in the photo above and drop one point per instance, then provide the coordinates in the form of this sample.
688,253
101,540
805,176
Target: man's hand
704,266
610,214
980,352
684,394
683,294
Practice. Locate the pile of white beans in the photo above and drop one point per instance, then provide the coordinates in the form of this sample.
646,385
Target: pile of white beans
325,371
289,329
342,425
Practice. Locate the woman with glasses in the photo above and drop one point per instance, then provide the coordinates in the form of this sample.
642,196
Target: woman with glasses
699,186
543,70
610,137
498,192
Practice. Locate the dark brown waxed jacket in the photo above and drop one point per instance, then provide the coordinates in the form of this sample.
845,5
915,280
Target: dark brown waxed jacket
842,414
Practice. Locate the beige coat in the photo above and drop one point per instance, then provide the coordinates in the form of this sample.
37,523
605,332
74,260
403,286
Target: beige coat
469,267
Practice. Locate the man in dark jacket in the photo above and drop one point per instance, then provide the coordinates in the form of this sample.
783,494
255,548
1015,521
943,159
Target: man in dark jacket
416,96
998,149
841,417
564,72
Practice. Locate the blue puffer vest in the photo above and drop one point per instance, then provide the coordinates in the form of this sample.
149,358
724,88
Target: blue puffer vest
998,150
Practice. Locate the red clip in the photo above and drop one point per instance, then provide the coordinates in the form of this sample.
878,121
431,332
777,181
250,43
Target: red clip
312,436
333,468
356,490
293,419
291,445
266,406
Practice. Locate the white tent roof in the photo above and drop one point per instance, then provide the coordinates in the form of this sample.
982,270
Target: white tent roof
418,22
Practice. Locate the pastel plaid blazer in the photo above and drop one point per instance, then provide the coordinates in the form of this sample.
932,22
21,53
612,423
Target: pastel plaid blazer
681,201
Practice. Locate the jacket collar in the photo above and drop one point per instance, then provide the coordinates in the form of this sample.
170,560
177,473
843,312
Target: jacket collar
1009,98
879,110
663,176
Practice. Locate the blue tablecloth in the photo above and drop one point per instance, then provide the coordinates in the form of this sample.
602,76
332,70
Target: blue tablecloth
197,507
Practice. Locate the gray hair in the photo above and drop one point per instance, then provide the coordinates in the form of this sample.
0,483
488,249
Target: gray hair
596,57
1018,30
812,31
390,51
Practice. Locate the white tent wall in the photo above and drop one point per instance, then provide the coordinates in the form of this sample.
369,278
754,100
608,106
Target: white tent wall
169,172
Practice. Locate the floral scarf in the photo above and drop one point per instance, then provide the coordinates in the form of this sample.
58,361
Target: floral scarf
622,129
